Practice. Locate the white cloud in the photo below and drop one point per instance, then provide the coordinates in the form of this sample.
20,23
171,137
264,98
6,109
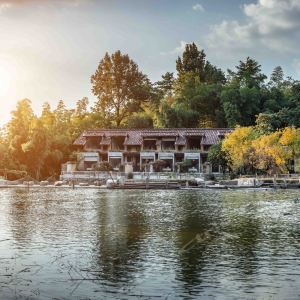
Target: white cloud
198,7
272,24
177,50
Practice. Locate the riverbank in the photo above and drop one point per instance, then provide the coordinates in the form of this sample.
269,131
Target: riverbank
147,183
150,186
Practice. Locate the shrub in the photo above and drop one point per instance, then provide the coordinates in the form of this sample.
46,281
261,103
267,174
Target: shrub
14,174
158,165
185,165
104,166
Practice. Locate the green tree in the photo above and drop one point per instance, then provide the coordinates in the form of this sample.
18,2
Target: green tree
81,119
248,73
196,98
140,120
19,130
193,61
6,161
119,86
231,102
217,157
47,117
166,85
37,147
244,96
178,116
81,109
277,77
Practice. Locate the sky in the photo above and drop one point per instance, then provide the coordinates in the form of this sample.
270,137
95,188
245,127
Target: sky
50,48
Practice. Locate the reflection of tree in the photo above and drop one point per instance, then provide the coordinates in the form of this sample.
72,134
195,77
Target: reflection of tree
246,235
122,228
20,221
195,233
59,217
244,230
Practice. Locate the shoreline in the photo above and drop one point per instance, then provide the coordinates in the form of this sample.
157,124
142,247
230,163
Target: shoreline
104,187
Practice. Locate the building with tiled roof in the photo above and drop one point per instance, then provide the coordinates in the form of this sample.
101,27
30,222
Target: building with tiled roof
142,147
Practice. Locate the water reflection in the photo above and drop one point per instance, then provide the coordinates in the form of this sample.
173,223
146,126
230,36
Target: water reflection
22,225
243,231
65,244
197,230
121,232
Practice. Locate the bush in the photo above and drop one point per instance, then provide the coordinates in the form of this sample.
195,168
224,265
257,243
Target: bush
185,165
158,165
103,166
14,174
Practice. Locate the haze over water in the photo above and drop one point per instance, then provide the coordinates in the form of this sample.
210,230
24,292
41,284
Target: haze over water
79,244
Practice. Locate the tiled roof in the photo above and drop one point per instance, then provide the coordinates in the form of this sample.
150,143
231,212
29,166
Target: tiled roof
133,138
105,140
80,141
209,136
180,140
212,137
107,132
159,132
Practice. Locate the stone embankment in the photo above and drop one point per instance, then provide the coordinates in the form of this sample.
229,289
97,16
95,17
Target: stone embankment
123,183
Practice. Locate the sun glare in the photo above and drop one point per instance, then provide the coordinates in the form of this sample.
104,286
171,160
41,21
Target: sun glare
7,77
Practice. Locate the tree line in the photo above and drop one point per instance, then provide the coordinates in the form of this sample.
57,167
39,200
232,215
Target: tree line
199,94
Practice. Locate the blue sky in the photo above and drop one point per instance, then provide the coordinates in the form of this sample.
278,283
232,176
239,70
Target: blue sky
49,49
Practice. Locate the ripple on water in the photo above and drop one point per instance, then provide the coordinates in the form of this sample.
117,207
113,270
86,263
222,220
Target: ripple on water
61,243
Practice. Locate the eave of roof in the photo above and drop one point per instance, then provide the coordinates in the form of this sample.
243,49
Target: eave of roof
209,136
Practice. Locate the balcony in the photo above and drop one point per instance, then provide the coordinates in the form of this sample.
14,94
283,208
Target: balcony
90,156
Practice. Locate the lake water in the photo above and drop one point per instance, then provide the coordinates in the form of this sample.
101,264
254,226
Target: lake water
103,244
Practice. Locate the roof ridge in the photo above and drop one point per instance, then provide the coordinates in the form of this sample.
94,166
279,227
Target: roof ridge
143,129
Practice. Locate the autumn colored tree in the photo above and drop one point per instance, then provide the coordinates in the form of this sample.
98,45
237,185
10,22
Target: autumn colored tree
119,86
248,150
236,146
271,156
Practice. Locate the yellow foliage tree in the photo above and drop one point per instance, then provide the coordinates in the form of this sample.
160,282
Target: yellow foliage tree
271,155
237,144
291,138
248,151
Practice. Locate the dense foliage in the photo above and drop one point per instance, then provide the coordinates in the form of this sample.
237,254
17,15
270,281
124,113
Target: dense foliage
198,95
249,151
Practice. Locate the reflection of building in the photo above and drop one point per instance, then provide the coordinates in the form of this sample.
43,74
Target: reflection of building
141,147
